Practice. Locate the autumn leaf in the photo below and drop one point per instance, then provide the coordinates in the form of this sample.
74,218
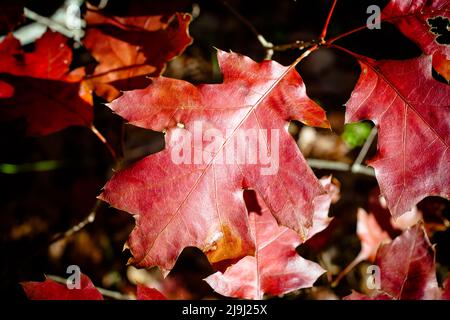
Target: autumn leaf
204,196
322,203
411,110
276,268
426,23
407,268
51,290
370,234
37,86
416,20
146,293
128,49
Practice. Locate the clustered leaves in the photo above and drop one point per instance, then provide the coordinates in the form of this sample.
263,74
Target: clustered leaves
248,224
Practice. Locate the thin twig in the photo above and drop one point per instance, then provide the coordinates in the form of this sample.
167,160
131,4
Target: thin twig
346,270
346,34
323,34
356,167
340,166
305,54
104,141
88,220
362,154
105,292
299,44
268,46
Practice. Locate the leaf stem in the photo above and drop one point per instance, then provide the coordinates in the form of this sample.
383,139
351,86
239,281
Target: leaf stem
104,141
353,54
327,22
346,34
346,270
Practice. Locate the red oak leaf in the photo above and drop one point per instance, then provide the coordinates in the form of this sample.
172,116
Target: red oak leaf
407,268
322,205
370,234
415,19
146,293
424,22
37,86
276,267
128,49
51,290
198,188
412,112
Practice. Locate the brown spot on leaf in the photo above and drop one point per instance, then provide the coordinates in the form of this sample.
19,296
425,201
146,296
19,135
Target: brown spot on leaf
227,247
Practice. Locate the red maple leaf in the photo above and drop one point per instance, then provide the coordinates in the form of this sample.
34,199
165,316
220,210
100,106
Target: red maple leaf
37,85
412,112
128,49
276,267
199,202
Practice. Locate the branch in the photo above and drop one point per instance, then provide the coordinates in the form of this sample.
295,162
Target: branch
105,292
340,166
299,44
54,23
362,154
88,220
268,46
356,167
